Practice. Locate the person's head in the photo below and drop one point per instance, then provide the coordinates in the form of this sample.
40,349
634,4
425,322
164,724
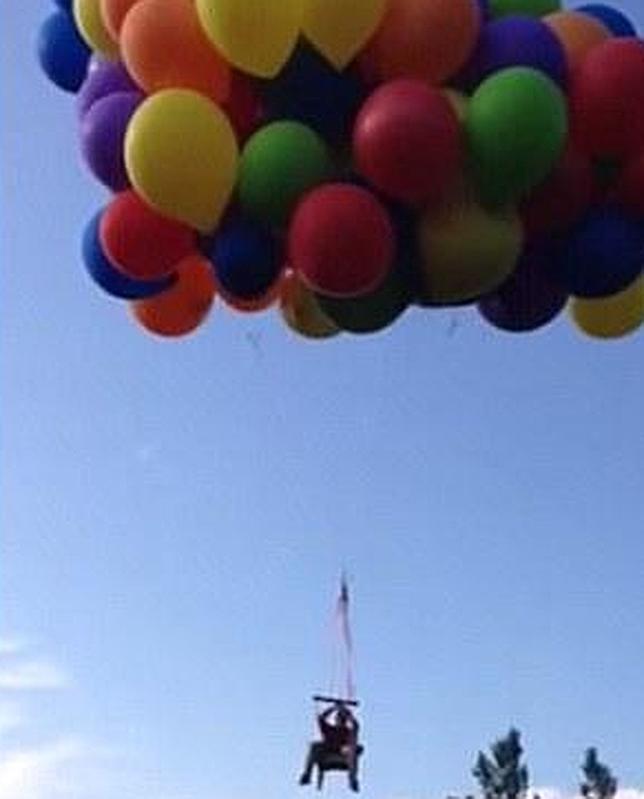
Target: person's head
342,714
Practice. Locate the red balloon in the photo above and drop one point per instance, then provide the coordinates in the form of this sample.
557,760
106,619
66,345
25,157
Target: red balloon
341,240
563,198
243,106
407,141
607,99
629,190
140,242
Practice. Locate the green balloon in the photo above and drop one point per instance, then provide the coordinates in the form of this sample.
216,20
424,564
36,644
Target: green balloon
279,163
516,127
532,8
373,311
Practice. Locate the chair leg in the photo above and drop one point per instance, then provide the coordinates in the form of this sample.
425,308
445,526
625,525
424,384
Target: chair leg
320,778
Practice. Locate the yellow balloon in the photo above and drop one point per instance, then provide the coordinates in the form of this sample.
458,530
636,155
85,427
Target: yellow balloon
611,317
338,28
467,252
256,36
458,101
301,311
181,156
89,21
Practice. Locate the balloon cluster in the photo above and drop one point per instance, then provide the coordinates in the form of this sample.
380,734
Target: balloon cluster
345,160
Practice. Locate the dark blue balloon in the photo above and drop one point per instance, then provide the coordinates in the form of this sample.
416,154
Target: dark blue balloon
246,259
515,41
616,22
63,55
310,90
66,5
107,276
601,254
529,298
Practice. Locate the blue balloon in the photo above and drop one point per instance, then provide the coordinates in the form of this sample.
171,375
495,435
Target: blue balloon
601,255
515,41
66,5
246,259
616,22
109,278
310,90
63,55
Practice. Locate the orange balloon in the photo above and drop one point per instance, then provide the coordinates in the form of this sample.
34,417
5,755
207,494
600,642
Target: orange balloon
164,47
427,39
113,12
184,306
577,32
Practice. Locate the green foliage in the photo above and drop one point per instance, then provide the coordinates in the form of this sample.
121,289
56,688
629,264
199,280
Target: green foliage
502,775
598,782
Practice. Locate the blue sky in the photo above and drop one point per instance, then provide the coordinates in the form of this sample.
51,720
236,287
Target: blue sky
175,517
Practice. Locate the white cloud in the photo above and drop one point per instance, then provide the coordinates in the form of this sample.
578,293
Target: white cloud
11,718
11,646
32,675
40,772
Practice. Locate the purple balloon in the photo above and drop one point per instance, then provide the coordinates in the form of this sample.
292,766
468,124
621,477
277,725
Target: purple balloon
515,41
529,299
102,136
105,78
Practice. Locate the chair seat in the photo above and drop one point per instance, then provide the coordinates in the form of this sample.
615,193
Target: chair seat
334,762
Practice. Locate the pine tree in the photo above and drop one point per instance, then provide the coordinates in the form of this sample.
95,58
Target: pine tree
598,782
502,775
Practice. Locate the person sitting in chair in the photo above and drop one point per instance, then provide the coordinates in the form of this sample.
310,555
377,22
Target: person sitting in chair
339,730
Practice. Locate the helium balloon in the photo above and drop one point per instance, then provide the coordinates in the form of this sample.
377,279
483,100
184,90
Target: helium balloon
466,252
62,54
578,33
516,128
181,156
256,36
341,240
184,306
458,101
371,312
243,106
339,29
616,22
140,242
532,8
108,77
563,198
301,310
114,13
629,188
103,130
529,298
611,317
407,141
164,47
607,99
515,41
308,89
105,274
601,255
280,163
87,14
66,5
246,259
426,39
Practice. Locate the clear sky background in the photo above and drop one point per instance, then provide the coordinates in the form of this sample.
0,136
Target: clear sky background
175,516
